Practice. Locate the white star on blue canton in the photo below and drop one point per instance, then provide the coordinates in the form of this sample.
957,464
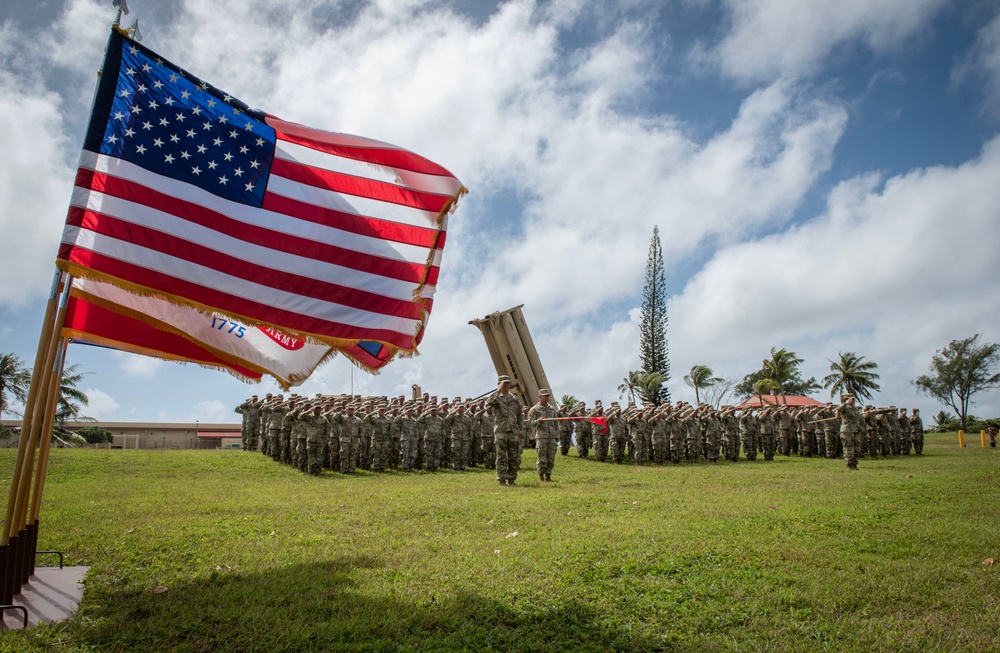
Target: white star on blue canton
223,180
141,149
249,188
158,143
169,158
196,170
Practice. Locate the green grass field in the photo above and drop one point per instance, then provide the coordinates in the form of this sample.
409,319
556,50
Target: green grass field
795,555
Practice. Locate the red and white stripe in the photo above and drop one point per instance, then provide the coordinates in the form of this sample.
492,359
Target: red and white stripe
347,236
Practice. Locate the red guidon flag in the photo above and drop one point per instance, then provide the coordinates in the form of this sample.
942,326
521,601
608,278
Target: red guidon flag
186,194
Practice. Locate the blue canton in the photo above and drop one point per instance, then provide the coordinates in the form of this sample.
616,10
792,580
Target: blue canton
175,125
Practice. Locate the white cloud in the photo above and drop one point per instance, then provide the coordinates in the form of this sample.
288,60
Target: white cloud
771,39
134,365
208,412
892,270
34,180
981,67
102,406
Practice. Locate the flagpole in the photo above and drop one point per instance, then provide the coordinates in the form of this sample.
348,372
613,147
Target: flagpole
43,405
9,543
31,521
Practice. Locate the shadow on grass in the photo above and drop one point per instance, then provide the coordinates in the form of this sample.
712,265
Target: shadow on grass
316,608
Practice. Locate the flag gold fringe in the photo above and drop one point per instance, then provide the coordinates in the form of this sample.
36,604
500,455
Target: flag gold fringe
286,384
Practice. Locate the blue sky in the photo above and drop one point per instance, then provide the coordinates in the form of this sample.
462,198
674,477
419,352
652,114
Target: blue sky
823,174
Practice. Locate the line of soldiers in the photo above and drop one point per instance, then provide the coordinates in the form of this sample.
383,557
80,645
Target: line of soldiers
685,432
344,432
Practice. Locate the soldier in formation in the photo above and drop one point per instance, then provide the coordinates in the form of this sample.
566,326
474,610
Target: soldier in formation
345,433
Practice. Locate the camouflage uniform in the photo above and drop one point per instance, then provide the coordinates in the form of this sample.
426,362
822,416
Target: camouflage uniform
315,442
546,435
905,444
617,438
433,428
730,435
332,435
917,432
694,439
892,421
285,436
660,437
785,431
749,434
831,431
300,459
852,427
565,434
712,429
460,431
600,437
396,435
380,427
584,434
486,439
350,435
409,439
508,427
767,439
641,432
677,432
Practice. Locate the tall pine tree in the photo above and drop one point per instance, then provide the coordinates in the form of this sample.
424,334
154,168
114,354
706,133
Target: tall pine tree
653,318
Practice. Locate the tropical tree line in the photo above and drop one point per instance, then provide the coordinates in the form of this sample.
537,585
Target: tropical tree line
15,380
956,374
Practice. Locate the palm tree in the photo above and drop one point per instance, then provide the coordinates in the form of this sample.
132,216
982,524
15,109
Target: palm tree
762,387
700,377
71,402
781,367
649,386
630,385
15,379
852,374
568,401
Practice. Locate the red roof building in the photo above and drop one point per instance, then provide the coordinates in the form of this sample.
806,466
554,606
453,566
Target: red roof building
757,401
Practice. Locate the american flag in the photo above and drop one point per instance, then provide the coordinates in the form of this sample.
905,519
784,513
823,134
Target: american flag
185,193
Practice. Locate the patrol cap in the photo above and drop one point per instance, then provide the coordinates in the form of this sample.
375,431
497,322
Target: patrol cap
503,378
544,392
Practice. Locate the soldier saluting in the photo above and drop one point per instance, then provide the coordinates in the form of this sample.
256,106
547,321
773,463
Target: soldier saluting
508,430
